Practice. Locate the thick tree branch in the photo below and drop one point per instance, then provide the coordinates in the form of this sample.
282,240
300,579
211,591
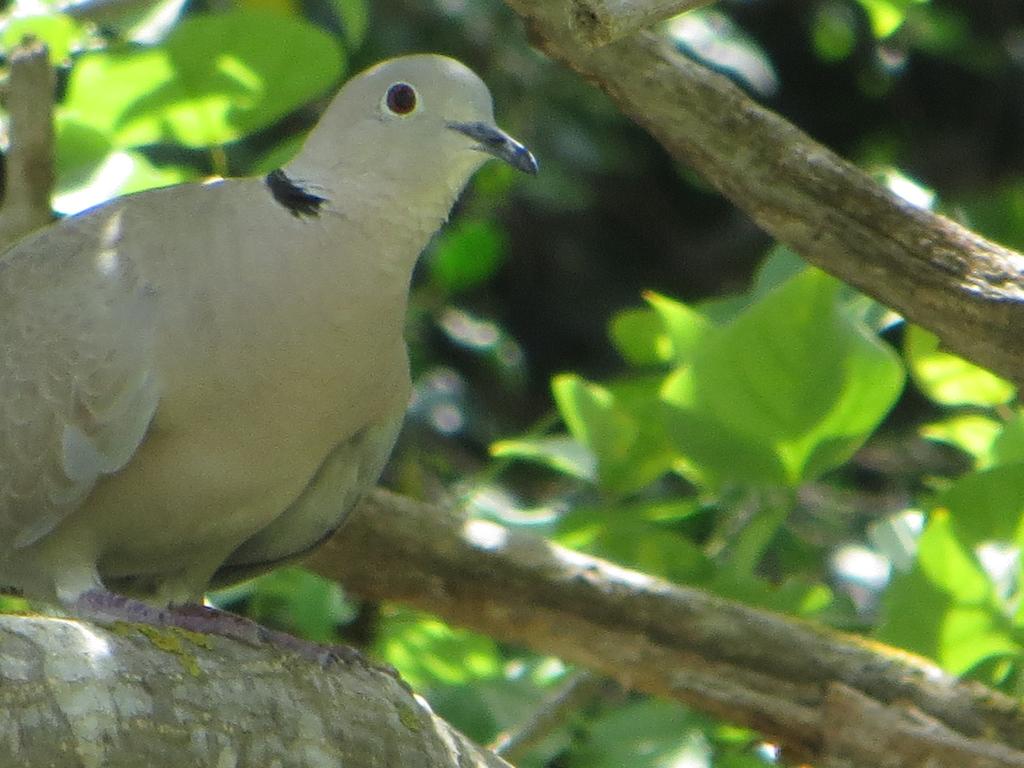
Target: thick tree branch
782,676
599,22
964,288
29,173
76,694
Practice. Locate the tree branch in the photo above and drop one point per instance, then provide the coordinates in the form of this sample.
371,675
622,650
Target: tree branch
906,738
781,676
940,275
599,22
29,172
73,693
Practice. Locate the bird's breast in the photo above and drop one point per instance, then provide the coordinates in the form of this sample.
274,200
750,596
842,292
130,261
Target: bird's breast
230,451
266,359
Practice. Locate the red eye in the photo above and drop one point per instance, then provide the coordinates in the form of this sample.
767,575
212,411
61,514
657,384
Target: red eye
401,98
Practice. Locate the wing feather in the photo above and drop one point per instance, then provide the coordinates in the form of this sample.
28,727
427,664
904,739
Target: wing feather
77,383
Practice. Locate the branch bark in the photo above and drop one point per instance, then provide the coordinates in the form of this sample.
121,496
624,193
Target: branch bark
29,172
599,22
787,678
967,290
899,738
77,694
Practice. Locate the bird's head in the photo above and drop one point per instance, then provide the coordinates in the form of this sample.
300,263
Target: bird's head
422,120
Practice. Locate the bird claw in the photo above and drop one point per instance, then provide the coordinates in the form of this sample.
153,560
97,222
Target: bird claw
107,607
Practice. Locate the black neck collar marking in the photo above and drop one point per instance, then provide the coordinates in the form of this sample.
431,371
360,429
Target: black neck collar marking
292,196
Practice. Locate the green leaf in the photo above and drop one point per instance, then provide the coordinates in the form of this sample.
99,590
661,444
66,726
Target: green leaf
722,309
216,78
786,391
483,708
989,441
685,328
104,84
618,534
1009,446
945,608
618,429
594,419
466,255
987,505
12,604
887,16
296,600
79,152
427,651
669,331
744,552
712,453
948,379
642,734
276,157
60,32
652,453
639,336
796,595
670,510
91,171
560,453
780,264
972,433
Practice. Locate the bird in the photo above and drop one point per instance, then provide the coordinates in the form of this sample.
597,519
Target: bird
198,382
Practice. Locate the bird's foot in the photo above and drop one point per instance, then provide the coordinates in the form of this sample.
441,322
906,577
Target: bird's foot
214,621
107,607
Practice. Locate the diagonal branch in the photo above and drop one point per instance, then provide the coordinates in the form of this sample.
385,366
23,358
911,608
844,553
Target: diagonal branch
581,690
785,677
599,22
967,290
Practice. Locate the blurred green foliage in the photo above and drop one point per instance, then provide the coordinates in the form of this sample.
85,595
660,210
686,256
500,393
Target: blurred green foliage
213,79
610,354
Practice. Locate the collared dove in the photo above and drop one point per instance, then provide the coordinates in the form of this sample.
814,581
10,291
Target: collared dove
198,382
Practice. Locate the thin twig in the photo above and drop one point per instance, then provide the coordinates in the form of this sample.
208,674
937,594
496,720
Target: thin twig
580,690
30,165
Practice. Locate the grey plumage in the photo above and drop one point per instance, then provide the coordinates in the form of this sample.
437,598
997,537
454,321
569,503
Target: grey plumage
198,382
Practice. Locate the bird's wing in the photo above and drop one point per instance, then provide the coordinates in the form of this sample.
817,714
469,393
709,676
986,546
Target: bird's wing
77,382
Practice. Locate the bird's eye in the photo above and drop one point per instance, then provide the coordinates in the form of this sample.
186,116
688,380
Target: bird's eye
400,99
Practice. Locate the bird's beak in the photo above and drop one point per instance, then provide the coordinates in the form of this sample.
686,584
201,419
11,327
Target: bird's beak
495,141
